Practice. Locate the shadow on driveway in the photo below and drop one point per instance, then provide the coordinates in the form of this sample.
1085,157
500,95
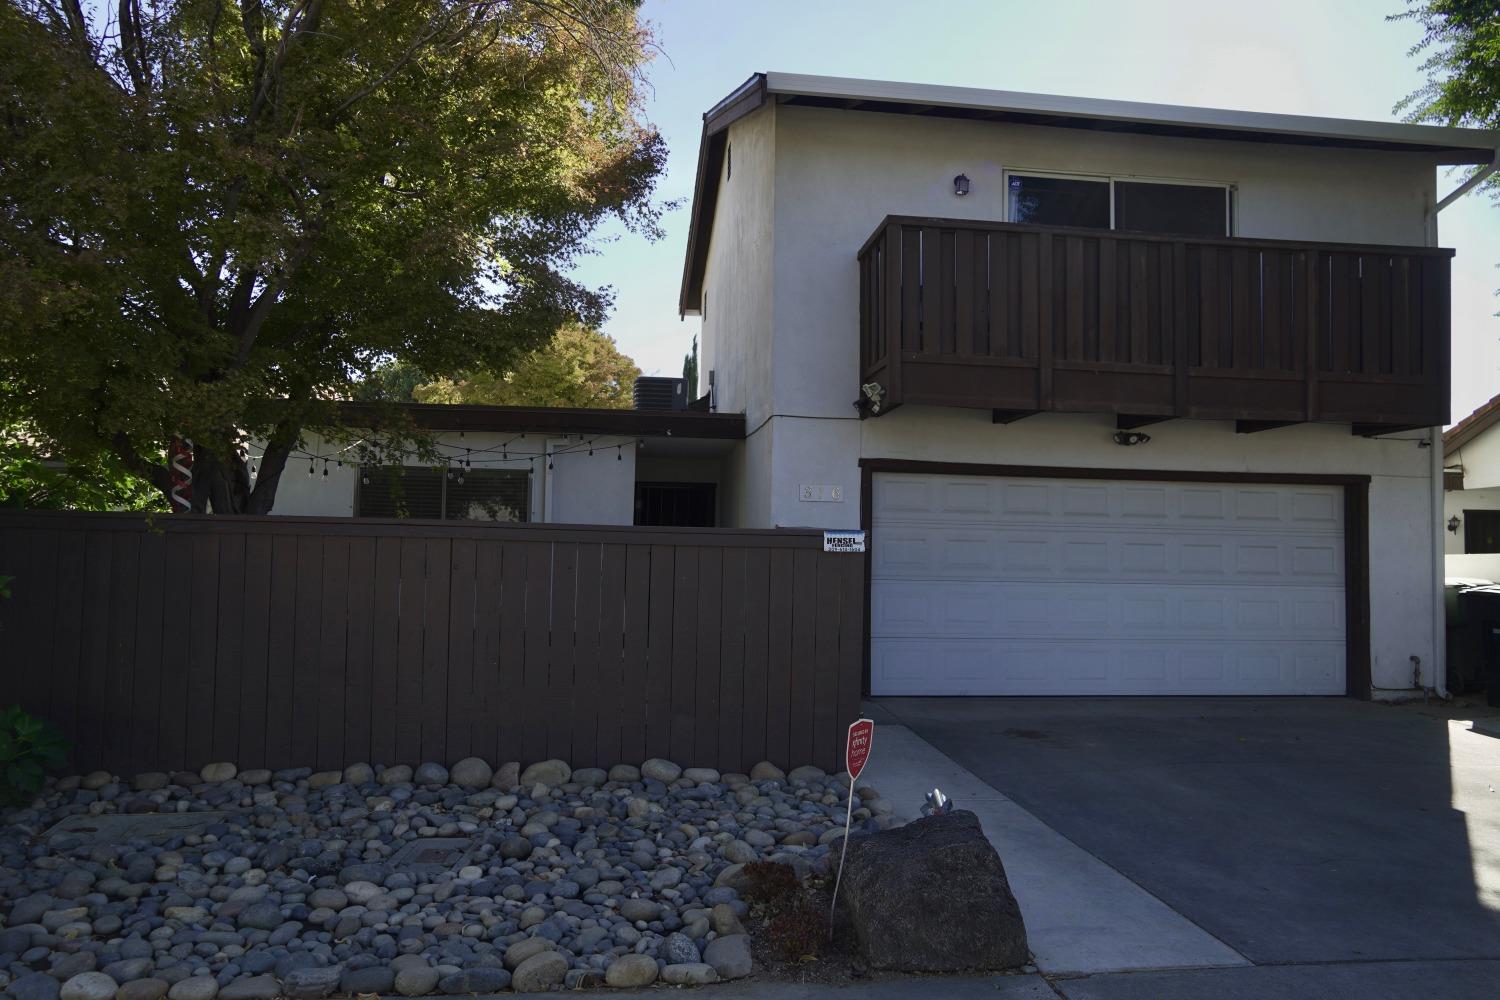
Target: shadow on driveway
1294,830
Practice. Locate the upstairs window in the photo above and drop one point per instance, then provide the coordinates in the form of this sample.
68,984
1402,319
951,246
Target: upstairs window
1111,203
444,494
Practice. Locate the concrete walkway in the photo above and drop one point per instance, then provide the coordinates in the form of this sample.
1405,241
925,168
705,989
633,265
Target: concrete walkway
1081,915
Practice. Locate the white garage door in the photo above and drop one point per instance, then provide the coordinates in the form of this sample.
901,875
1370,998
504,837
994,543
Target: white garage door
983,585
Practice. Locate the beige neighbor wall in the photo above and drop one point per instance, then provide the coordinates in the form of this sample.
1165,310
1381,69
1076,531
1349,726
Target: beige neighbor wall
579,489
837,174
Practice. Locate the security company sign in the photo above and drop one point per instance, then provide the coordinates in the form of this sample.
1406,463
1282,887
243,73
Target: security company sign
857,751
843,541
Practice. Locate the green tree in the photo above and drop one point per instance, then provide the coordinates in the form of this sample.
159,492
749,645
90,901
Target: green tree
577,367
217,218
1461,44
690,370
394,382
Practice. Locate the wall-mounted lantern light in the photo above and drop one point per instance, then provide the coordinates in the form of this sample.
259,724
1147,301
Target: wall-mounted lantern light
1129,438
1453,523
961,185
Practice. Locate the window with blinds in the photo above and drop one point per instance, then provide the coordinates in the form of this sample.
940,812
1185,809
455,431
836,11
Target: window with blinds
444,494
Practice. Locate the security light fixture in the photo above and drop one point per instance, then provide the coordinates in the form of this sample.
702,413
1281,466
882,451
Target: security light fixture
875,393
961,185
1128,438
1453,523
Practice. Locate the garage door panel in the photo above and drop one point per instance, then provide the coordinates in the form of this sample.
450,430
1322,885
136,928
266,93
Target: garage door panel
1041,552
984,585
913,608
1133,667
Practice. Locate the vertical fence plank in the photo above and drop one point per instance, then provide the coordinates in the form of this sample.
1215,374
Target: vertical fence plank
706,655
825,660
731,660
405,706
613,694
177,591
459,734
489,697
804,633
509,735
202,632
538,621
306,652
359,651
281,640
254,663
385,653
31,638
642,629
229,650
851,639
780,652
757,655
559,690
435,649
584,685
120,674
145,720
685,611
333,635
68,638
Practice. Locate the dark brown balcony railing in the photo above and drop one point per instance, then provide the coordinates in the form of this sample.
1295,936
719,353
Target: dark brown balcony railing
1023,319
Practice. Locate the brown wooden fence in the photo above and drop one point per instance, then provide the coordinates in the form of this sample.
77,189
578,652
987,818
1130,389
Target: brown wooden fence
290,641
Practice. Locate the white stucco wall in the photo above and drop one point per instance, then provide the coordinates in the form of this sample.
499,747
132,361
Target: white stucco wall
579,489
837,174
1480,459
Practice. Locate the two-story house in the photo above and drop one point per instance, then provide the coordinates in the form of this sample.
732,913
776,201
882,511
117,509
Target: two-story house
1130,399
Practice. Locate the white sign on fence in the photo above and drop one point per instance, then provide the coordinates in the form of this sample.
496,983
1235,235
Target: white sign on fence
843,541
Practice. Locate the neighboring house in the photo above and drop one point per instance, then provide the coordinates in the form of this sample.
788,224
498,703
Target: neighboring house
526,464
1132,399
1471,498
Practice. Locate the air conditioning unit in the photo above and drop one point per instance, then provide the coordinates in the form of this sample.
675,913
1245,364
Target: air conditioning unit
654,392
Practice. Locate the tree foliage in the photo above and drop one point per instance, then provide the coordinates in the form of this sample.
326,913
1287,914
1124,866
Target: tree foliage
218,217
1461,44
577,367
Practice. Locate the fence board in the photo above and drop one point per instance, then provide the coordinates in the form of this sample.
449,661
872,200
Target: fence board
271,644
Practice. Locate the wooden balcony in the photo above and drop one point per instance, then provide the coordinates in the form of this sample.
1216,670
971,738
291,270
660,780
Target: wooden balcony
1024,319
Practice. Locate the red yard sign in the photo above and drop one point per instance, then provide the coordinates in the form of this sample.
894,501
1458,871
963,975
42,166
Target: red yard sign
857,752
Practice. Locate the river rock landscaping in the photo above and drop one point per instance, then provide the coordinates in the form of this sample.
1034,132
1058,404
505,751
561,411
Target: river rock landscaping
248,885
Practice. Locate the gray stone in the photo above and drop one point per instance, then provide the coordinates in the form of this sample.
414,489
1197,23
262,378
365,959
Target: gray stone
631,972
524,949
481,980
372,979
729,955
725,921
194,988
547,772
263,987
261,916
324,779
88,986
359,774
701,775
627,773
149,781
400,774
333,899
640,909
95,780
310,983
218,772
507,775
678,949
766,771
591,776
127,969
660,769
257,776
738,852
539,973
34,986
689,974
430,773
932,896
805,773
416,982
472,773
142,989
516,848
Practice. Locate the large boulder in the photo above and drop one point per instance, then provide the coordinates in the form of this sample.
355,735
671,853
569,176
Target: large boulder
932,896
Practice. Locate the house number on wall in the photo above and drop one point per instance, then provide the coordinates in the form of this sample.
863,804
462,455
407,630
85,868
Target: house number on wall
822,494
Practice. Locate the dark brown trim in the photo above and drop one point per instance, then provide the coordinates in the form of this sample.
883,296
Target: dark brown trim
1256,426
545,419
1010,416
1375,430
1356,489
1129,421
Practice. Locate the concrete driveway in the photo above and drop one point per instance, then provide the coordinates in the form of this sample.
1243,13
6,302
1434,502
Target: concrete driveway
1298,832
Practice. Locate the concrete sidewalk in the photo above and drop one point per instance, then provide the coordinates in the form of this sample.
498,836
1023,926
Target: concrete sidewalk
1081,915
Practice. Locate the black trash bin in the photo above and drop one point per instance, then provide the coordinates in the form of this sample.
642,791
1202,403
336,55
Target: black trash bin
1480,607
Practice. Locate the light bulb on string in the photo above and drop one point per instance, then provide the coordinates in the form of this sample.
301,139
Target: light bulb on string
311,466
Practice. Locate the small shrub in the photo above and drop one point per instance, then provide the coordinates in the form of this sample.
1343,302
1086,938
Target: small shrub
769,882
796,928
29,748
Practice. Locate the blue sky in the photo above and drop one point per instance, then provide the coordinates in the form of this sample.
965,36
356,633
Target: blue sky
1316,57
